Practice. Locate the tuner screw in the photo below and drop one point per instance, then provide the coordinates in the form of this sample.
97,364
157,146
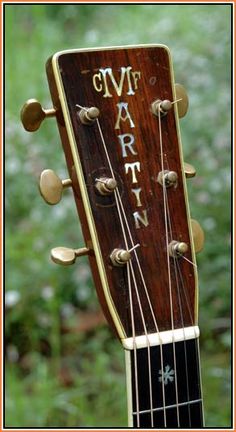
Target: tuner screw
161,107
32,115
105,186
66,256
182,100
51,186
88,116
189,170
198,236
169,178
177,249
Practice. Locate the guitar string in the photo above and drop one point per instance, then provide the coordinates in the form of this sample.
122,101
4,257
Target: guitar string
148,346
110,166
147,295
137,294
168,264
128,275
182,321
135,347
127,246
188,307
132,321
133,326
134,279
196,342
176,260
136,258
151,309
179,298
196,339
181,313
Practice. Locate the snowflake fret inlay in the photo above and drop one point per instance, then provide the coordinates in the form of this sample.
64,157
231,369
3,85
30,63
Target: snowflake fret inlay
166,375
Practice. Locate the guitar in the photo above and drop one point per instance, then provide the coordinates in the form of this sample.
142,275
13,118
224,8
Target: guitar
117,112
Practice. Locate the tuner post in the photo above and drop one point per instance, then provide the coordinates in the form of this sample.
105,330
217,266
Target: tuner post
161,107
105,186
120,257
88,116
177,249
168,178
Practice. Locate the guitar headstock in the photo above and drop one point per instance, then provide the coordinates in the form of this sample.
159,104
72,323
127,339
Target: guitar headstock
117,111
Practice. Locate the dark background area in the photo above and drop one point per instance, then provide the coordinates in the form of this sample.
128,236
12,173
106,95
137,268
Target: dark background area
63,366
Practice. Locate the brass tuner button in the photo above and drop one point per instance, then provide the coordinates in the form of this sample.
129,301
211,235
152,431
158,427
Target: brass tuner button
105,186
51,186
198,235
189,170
182,100
32,115
88,116
177,249
66,256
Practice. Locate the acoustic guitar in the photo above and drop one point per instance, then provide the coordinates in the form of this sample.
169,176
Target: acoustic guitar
117,111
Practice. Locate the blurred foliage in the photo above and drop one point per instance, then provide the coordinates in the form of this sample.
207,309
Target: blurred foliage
71,379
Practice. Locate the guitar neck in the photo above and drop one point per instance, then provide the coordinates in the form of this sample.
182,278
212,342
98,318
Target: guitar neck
164,385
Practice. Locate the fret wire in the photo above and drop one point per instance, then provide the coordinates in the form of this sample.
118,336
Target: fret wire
170,406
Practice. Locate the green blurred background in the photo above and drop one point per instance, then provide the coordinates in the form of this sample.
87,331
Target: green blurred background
63,366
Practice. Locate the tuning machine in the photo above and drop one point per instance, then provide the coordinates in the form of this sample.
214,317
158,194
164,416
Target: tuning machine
198,235
88,116
182,100
51,186
67,256
189,170
32,114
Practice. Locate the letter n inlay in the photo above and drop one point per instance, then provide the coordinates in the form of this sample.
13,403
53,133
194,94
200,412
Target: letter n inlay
141,218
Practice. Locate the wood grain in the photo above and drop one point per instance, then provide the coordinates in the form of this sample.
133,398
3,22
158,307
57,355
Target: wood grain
77,70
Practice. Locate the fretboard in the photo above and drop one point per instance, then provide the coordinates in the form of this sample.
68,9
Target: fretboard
165,386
